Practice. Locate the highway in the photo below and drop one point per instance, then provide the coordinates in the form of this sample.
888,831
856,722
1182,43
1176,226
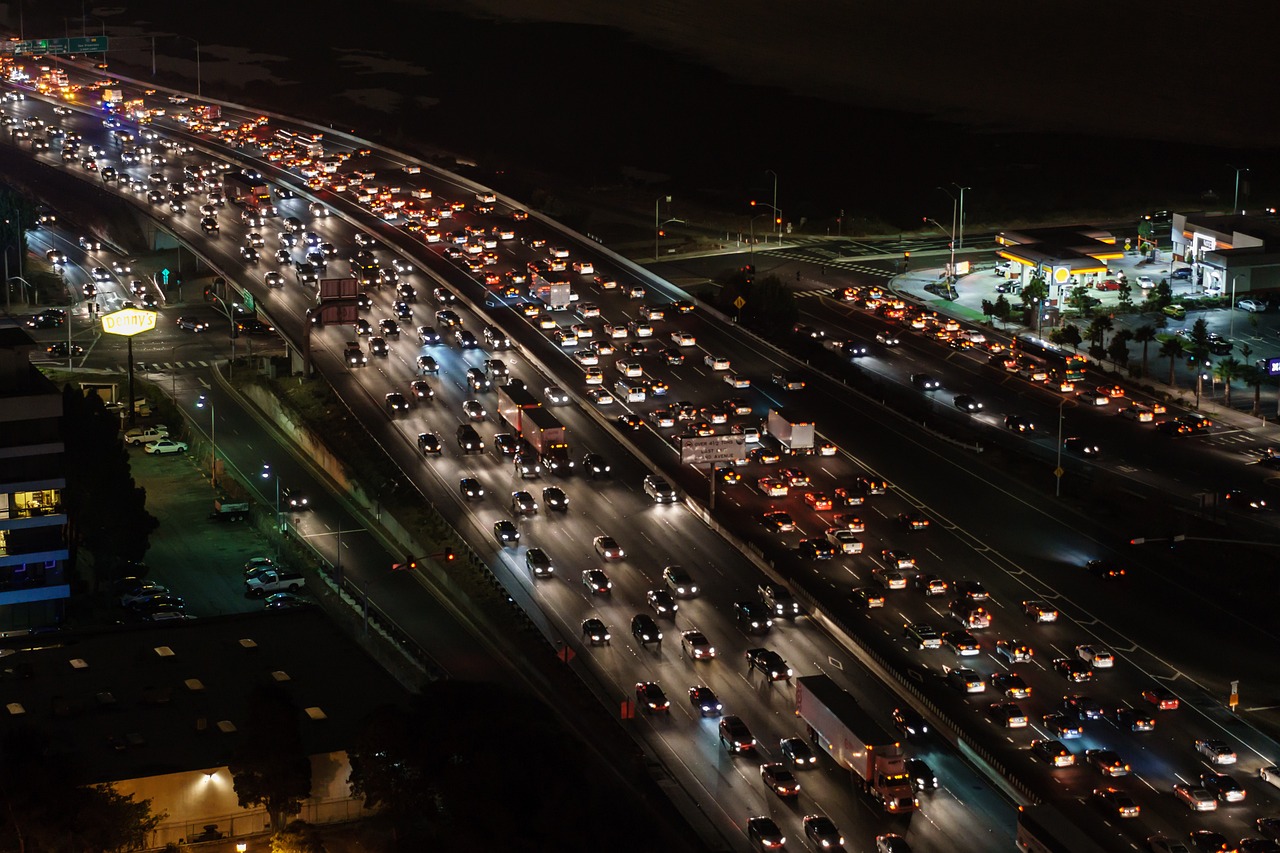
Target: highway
969,538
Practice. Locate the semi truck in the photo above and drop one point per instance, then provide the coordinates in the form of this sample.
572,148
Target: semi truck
554,294
796,437
244,189
536,425
841,727
1045,829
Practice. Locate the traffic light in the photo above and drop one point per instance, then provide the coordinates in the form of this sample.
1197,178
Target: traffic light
753,202
448,555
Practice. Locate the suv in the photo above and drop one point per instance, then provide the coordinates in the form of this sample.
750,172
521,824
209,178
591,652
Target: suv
735,735
659,490
752,617
779,600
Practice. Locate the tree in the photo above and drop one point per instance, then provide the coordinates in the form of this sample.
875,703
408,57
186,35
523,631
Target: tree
1162,295
1003,309
1098,328
1200,335
1172,350
270,768
1070,335
1254,377
988,308
15,209
107,510
298,837
1126,294
1078,298
770,305
1119,347
42,809
1226,370
1034,291
1144,335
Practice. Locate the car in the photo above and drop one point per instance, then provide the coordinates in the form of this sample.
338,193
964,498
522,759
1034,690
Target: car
764,833
1269,826
644,629
867,598
1222,786
595,631
788,381
961,643
921,775
1216,751
909,723
1258,845
822,832
1253,306
556,395
704,700
1040,611
1082,707
1014,651
471,488
798,753
1075,671
1010,684
1107,762
770,663
538,563
1008,714
1062,726
966,680
779,779
133,591
1105,569
596,581
925,382
1115,802
650,696
913,522
397,403
662,602
1239,499
1097,656
966,403
146,435
165,446
608,548
1161,697
922,636
1053,753
522,503
778,521
554,498
1208,841
892,843
679,582
715,362
1195,797
596,466
474,410
696,645
286,601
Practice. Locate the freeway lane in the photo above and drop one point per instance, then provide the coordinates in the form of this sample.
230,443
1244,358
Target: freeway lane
700,383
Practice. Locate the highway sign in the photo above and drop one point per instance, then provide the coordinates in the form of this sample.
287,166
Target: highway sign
739,302
57,47
703,450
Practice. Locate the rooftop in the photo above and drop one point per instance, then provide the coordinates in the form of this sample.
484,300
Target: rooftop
136,701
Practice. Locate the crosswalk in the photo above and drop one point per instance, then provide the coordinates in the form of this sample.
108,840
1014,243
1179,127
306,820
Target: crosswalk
809,257
162,366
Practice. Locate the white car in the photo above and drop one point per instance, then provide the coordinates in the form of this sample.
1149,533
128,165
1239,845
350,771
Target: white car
1253,306
593,376
683,339
1145,282
1270,774
735,380
165,446
1096,655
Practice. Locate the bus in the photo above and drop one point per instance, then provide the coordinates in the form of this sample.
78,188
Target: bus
1045,829
1067,365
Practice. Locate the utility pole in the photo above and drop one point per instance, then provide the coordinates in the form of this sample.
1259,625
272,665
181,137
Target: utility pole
960,237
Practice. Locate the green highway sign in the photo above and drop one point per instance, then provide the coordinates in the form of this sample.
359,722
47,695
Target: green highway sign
57,47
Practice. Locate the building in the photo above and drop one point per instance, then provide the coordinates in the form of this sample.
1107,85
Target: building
33,524
1063,255
158,710
1230,254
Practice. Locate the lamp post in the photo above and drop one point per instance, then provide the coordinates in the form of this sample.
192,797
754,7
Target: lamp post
268,474
1235,205
951,265
657,226
202,402
226,310
194,41
1057,472
777,216
775,203
951,270
17,221
960,235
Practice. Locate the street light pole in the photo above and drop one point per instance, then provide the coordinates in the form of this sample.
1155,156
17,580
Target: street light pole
1235,205
961,233
657,226
775,204
232,325
1057,472
951,269
201,402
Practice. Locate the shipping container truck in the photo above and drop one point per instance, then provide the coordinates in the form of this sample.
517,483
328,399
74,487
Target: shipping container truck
1045,829
796,437
842,728
554,294
243,189
536,425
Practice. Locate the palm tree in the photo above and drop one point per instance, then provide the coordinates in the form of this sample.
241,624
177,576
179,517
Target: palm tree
1226,370
1254,377
1144,335
1172,350
1098,328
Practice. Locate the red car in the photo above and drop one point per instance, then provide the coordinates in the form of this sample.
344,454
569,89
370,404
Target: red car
818,500
1162,698
1108,285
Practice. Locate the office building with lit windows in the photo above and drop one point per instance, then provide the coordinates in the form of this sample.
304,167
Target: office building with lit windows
33,522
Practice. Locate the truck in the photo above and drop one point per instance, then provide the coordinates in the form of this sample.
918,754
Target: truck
1045,829
796,437
842,728
536,425
245,189
226,510
554,294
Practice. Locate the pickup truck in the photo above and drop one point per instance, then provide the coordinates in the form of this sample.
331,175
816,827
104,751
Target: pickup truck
844,539
770,663
146,435
274,580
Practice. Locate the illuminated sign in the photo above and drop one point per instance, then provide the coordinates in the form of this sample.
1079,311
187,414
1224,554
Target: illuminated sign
1273,367
129,322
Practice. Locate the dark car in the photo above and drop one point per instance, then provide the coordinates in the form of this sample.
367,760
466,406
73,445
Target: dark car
596,632
471,488
429,443
554,498
1105,569
1081,446
650,696
596,466
704,700
644,629
922,776
910,723
967,403
925,382
286,601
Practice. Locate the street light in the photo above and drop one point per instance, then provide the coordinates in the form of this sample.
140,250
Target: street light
960,236
951,271
17,220
775,203
657,227
226,310
777,216
1235,205
267,474
203,402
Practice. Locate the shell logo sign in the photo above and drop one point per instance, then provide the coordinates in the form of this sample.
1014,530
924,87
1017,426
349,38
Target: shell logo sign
1061,275
129,322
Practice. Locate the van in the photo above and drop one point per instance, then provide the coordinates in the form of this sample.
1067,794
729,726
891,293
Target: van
632,392
659,490
469,440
